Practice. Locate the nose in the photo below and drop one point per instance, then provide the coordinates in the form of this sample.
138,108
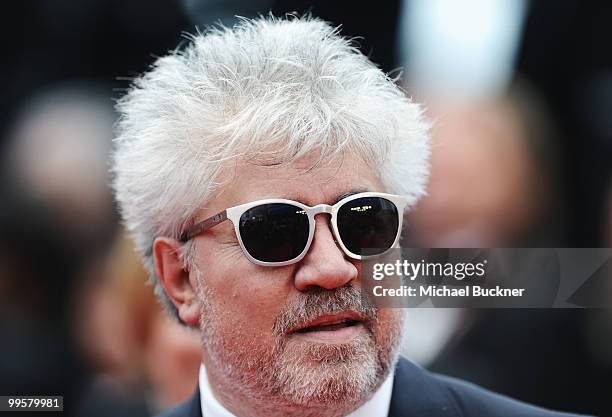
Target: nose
325,265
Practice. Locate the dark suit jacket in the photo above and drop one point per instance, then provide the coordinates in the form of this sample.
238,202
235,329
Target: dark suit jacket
419,393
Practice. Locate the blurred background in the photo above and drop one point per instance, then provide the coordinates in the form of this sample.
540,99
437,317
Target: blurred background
521,95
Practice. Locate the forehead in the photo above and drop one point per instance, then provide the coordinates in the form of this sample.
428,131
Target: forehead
303,180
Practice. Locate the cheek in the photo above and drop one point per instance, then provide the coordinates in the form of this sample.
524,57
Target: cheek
247,297
389,325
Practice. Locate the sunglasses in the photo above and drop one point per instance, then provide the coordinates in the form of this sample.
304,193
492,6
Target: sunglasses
279,232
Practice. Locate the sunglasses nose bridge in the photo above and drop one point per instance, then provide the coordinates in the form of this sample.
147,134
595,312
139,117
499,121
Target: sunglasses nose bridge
321,208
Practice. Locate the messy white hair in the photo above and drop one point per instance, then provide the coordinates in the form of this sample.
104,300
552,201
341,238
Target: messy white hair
266,88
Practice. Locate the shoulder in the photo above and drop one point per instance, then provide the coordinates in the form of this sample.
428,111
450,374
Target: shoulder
189,408
470,398
176,411
181,410
439,395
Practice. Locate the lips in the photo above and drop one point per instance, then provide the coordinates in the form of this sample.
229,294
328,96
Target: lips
329,322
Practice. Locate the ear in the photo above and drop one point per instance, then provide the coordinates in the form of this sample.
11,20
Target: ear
175,279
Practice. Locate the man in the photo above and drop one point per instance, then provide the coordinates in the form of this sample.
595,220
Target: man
253,169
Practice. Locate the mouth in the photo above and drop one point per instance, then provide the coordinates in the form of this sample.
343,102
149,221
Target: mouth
331,328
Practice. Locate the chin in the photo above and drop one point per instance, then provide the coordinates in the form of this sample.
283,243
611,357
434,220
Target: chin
321,374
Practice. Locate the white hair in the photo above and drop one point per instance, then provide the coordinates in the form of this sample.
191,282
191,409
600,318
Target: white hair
266,88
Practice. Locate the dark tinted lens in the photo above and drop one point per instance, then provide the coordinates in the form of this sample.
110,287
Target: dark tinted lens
274,232
368,225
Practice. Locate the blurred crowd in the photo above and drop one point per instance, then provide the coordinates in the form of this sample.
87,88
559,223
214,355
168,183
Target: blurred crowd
520,94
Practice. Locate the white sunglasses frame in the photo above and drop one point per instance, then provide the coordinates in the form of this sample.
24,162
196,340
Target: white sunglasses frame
234,213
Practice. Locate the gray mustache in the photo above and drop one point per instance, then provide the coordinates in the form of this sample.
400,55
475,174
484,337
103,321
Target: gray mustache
320,301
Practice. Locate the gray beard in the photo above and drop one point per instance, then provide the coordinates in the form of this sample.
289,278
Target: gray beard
292,379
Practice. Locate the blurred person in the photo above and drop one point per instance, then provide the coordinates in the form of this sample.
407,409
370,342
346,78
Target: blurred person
141,358
490,159
55,163
57,153
172,362
56,222
284,110
495,183
38,270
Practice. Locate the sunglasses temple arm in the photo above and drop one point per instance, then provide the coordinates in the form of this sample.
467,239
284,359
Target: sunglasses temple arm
202,226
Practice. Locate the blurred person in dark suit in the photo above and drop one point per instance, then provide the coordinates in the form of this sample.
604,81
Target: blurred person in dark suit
38,270
76,312
495,183
226,152
56,220
57,224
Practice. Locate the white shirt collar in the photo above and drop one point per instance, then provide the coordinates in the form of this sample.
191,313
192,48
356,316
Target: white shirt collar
377,406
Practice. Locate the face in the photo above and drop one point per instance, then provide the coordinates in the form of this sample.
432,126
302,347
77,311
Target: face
292,335
481,149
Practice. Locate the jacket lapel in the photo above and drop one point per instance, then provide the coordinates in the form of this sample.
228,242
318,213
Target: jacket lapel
416,393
